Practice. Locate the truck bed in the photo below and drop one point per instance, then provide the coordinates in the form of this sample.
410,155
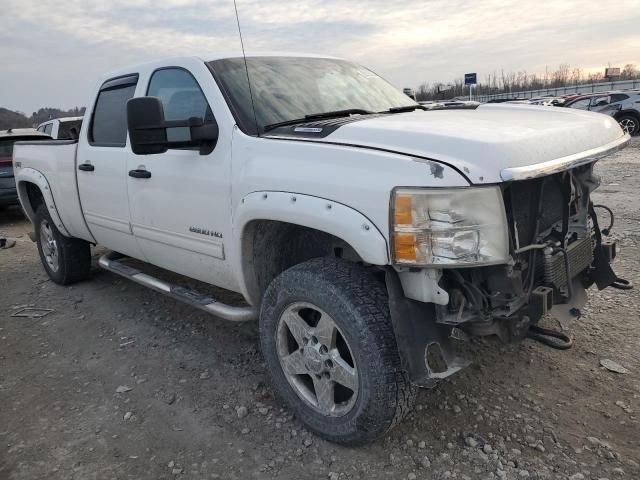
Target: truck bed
55,160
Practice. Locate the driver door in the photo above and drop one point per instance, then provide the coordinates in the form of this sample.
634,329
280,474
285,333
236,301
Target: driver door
180,208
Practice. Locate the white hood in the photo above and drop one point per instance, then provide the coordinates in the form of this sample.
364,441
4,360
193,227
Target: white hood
492,143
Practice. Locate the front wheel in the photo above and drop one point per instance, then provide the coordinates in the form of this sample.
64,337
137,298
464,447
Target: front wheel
328,342
66,260
630,124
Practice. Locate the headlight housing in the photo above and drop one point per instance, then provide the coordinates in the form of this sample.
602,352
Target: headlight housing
449,227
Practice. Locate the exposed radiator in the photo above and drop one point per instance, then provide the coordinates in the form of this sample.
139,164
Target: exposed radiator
580,257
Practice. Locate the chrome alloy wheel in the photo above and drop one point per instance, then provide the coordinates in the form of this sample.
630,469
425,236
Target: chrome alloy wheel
629,125
49,245
316,359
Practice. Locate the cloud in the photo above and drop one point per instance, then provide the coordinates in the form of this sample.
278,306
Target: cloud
52,53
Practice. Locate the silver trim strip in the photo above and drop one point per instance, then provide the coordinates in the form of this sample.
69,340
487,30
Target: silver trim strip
227,312
563,163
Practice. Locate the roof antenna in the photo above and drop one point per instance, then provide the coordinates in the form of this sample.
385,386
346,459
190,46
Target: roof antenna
246,68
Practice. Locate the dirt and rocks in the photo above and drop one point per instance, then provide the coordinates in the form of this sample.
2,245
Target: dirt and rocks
120,382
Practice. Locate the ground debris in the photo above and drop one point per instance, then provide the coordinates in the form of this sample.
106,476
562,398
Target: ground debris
613,366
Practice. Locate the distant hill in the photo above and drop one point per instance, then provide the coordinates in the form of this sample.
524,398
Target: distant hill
45,114
11,119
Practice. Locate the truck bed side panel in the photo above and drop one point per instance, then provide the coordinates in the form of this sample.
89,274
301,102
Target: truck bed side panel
56,161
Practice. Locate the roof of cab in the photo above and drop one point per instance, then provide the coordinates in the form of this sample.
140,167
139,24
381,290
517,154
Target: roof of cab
206,57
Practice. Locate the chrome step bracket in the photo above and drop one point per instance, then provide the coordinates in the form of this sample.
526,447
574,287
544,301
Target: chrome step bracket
111,262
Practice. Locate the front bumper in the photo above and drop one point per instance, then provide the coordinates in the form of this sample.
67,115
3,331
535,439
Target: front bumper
557,252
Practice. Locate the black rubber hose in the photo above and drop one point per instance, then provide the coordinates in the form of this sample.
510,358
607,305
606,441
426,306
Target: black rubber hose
607,231
546,336
622,284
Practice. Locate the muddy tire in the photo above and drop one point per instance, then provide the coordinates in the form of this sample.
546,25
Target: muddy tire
328,342
66,260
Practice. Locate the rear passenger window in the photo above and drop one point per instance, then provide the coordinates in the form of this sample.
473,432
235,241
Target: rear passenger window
109,121
48,128
181,98
618,97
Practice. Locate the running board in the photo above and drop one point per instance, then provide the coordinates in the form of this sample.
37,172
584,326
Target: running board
110,261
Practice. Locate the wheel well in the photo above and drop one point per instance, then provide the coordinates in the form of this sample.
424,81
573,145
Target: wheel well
270,247
624,113
34,194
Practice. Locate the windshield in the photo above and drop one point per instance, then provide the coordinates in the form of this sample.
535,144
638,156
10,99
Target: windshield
288,88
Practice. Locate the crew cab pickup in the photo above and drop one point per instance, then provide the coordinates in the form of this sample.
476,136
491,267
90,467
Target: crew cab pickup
369,237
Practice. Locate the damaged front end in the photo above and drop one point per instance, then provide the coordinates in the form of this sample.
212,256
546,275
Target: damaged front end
556,250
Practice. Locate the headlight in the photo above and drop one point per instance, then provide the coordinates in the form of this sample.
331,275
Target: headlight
449,227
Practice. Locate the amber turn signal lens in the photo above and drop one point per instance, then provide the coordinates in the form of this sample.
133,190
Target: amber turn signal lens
402,210
405,247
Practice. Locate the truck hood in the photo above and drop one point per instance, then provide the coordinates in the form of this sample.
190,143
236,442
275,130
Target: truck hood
492,143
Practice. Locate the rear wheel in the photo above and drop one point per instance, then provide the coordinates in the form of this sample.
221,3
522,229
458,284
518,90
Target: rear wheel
66,260
328,342
630,124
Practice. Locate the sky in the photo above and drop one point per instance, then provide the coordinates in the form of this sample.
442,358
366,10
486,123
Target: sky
52,53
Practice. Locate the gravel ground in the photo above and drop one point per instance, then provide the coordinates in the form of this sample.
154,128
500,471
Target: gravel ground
120,382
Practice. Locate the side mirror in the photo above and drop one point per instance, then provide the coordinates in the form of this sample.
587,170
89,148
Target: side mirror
148,129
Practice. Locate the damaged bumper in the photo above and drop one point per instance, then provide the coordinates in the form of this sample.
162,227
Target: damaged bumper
557,251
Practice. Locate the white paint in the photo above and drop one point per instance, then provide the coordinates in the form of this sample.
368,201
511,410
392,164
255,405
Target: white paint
341,184
484,141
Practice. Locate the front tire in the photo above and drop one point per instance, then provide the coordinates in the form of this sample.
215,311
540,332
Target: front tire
66,260
328,342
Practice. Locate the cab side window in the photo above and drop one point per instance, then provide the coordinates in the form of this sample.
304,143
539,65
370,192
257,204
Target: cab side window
48,128
181,98
582,104
109,120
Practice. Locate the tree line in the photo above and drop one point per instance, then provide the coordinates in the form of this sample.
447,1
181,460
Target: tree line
513,82
11,119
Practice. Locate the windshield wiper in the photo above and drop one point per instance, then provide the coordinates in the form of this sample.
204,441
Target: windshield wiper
407,108
316,116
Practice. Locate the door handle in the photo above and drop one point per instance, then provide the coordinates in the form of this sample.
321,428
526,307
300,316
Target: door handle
86,167
140,173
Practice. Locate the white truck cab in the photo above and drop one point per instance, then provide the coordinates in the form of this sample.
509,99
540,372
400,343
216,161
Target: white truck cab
65,128
367,235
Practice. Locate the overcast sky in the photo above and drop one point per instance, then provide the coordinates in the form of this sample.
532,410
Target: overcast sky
51,53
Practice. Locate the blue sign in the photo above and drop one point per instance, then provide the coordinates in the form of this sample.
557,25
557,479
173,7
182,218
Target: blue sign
470,79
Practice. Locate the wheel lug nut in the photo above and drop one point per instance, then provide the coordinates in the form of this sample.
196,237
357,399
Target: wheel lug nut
305,340
328,364
323,349
314,340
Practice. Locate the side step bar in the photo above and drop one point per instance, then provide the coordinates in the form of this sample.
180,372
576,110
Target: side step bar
110,261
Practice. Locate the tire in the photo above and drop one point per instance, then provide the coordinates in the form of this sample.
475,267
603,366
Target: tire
364,346
630,124
66,260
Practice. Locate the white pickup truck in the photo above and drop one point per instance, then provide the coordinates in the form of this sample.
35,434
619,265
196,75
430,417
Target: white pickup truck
368,236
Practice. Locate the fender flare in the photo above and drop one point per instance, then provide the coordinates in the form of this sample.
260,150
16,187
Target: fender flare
30,175
318,213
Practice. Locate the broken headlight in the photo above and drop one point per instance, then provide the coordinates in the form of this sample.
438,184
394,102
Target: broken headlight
449,227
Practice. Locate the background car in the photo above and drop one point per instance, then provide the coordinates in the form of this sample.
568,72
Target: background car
8,194
66,128
623,106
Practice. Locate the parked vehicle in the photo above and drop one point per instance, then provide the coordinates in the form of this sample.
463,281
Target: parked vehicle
8,193
66,128
623,106
365,233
